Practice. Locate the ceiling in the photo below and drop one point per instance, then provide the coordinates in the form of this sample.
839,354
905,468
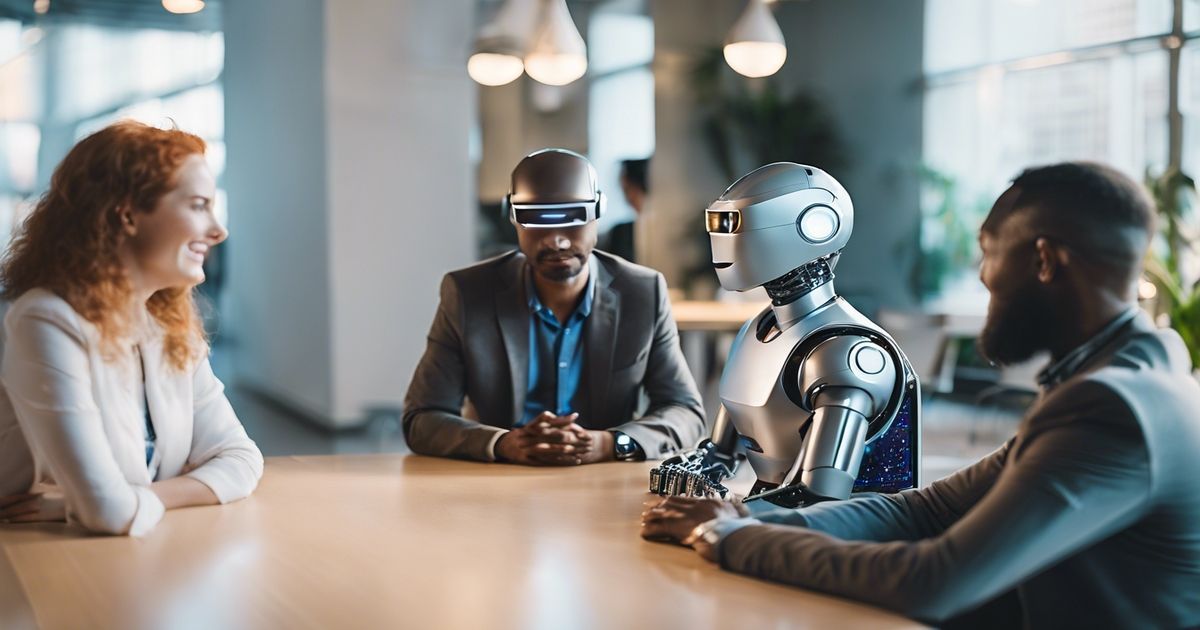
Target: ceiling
120,13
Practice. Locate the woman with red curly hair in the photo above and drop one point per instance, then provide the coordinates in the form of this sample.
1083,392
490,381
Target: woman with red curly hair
109,410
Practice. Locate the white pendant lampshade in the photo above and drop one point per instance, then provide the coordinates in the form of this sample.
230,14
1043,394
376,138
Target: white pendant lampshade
558,55
490,68
183,6
755,45
496,58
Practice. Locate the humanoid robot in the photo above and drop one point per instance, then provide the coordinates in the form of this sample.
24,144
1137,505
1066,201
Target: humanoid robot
817,397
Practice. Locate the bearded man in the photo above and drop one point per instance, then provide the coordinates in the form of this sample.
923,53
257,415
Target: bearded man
1090,515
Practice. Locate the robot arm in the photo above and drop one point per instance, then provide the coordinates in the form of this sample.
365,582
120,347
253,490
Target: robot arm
724,437
846,381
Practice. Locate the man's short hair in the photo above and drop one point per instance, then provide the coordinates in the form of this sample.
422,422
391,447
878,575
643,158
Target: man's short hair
635,172
1092,208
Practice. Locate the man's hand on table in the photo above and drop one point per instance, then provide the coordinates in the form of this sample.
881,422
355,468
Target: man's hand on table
36,507
674,519
550,440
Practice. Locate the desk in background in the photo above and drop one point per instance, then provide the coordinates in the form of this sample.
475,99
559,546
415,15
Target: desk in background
698,321
393,541
713,316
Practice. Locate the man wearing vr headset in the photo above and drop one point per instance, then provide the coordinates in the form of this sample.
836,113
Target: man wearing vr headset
555,346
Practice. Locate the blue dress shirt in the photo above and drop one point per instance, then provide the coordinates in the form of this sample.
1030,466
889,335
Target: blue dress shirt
555,353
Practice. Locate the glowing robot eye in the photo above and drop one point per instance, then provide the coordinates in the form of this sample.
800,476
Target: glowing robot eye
723,222
817,224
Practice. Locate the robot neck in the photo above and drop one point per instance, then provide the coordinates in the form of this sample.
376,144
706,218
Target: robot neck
801,291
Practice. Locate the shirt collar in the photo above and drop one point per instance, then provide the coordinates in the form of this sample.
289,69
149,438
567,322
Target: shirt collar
589,293
1073,361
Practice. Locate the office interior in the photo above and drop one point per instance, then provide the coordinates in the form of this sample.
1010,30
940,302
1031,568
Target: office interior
358,160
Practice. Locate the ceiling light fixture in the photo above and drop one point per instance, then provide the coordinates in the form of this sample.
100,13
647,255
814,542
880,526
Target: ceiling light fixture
496,57
558,55
534,36
755,46
183,6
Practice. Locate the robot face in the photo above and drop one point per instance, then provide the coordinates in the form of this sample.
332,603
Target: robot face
775,219
816,223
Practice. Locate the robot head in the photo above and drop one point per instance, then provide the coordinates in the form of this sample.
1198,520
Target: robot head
774,219
553,188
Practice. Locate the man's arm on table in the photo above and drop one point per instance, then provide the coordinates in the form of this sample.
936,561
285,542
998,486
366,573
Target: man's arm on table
433,424
1081,475
908,515
675,418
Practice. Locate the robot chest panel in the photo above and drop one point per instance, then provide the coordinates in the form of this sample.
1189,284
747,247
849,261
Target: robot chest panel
755,397
753,389
754,370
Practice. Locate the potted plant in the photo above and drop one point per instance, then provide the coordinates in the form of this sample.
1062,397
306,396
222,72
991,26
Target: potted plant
949,230
1173,264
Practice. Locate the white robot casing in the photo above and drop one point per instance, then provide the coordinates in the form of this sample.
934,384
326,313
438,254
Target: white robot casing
810,381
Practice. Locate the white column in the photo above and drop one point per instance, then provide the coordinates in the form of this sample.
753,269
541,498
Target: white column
401,192
350,192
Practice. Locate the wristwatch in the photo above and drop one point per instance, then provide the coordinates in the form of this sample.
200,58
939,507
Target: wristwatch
706,531
625,449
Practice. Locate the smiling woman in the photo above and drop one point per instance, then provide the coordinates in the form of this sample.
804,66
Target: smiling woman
108,405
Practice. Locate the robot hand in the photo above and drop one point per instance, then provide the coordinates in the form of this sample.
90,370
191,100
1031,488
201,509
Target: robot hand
700,471
695,473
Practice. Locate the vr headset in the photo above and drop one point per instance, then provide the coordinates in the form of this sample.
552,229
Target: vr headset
553,215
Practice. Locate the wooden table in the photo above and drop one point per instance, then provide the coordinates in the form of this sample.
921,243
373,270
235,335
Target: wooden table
393,541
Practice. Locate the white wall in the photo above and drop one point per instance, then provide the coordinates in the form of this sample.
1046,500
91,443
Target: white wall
279,297
350,192
399,109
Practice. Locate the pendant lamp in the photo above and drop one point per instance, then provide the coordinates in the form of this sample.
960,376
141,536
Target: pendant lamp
558,55
496,57
183,6
755,47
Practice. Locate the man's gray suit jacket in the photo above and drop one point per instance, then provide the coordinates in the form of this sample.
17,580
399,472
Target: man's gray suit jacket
478,347
1092,511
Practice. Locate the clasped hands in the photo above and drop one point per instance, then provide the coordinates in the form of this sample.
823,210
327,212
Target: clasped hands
552,440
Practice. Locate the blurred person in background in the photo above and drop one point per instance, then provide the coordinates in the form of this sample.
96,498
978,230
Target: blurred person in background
635,186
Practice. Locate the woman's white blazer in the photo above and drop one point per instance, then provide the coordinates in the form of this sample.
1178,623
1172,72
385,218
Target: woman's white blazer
71,418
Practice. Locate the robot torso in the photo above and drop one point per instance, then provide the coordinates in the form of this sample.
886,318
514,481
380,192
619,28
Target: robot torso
763,391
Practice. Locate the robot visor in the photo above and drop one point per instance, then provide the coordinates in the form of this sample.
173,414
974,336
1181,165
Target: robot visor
723,221
553,215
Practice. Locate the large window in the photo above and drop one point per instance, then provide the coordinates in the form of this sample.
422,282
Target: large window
1189,105
1017,83
20,135
62,81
